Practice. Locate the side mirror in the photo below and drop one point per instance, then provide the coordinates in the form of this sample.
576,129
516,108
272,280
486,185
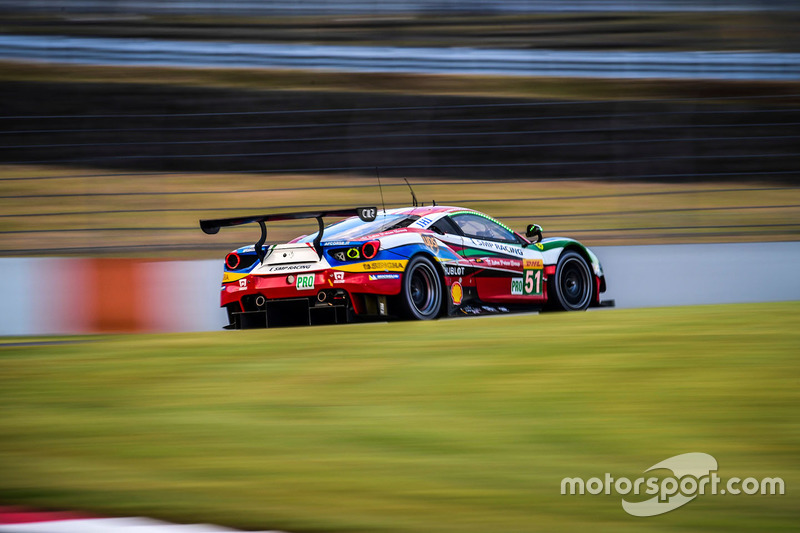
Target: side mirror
534,230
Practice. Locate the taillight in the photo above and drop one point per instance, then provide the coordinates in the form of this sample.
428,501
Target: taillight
370,249
232,260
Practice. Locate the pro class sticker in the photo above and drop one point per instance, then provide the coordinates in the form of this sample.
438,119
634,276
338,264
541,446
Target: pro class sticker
516,286
305,282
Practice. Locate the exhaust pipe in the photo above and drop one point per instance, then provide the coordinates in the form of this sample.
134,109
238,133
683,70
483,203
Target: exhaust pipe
260,300
322,296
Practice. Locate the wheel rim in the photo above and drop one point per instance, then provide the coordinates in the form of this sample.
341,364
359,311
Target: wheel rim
423,290
574,283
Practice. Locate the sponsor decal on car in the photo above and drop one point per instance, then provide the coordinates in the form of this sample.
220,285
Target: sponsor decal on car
388,265
516,286
338,277
423,223
503,262
286,268
454,271
305,282
378,277
230,277
533,263
508,249
456,293
431,242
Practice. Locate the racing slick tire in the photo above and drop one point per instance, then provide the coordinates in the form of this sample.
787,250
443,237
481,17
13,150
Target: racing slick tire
572,284
421,295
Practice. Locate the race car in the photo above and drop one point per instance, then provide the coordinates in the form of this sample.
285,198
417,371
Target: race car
419,262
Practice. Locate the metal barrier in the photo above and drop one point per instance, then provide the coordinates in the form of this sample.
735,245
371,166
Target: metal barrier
563,63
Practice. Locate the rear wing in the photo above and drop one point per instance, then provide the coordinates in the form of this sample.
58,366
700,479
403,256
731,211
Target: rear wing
212,226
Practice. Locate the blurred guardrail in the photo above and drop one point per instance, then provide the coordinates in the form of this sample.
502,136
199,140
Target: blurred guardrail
265,7
562,63
51,296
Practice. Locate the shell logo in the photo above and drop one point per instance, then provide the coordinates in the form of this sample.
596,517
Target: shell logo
456,293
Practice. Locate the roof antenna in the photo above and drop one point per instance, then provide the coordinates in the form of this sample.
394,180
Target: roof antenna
413,196
378,174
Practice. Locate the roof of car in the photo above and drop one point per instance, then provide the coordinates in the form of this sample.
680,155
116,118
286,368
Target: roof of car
423,210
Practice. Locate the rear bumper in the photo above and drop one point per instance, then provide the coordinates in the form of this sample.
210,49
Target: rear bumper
286,313
284,287
335,296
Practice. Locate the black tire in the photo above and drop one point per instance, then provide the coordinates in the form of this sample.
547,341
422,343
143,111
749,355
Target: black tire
572,284
421,296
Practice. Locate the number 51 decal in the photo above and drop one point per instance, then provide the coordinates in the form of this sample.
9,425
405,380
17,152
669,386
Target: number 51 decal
532,277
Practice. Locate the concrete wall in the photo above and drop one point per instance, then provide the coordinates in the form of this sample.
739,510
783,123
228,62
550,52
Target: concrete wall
46,296
697,274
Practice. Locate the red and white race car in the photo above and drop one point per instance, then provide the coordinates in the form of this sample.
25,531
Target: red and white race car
413,262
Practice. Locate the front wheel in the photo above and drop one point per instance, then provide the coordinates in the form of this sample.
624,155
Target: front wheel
422,290
572,282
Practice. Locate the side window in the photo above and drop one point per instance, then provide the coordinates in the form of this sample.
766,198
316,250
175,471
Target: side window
483,228
445,226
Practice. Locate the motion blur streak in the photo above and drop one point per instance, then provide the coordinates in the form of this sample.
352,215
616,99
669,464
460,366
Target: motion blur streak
51,296
175,296
264,7
571,63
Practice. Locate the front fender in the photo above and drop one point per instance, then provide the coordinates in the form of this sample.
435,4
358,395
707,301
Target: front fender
553,247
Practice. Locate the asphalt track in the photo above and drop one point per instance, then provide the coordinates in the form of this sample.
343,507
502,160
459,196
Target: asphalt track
761,66
638,276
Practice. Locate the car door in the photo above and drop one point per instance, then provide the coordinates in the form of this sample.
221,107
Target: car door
458,270
507,271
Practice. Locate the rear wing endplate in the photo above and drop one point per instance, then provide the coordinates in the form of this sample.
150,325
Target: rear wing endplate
212,226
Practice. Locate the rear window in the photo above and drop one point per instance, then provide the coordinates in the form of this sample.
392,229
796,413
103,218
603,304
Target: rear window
354,228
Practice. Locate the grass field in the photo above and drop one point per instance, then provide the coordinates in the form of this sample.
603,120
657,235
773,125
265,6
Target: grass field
455,425
47,216
395,83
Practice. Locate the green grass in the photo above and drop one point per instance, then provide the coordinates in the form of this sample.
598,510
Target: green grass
399,83
457,425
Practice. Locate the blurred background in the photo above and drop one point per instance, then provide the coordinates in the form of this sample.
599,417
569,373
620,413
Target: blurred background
618,123
662,133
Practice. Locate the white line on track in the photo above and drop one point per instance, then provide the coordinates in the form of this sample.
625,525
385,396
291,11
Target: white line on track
114,525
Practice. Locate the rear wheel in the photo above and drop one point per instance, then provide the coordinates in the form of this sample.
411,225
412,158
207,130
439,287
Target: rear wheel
422,290
572,283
